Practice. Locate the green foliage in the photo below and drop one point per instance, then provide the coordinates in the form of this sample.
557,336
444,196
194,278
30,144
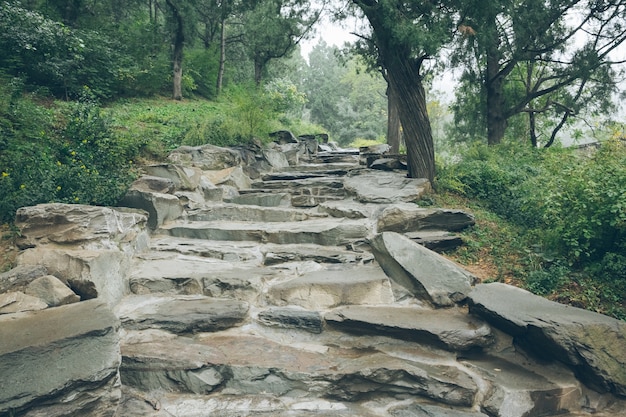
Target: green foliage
62,154
544,281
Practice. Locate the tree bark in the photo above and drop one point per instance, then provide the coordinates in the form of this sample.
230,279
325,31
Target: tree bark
393,122
220,71
496,119
177,56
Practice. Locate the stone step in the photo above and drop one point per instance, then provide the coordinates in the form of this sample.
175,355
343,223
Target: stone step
322,166
330,232
251,213
321,183
263,198
300,175
238,364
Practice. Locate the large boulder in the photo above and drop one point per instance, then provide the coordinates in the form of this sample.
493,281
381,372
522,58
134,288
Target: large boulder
20,276
206,157
184,178
159,206
62,361
373,186
79,225
234,177
592,344
420,271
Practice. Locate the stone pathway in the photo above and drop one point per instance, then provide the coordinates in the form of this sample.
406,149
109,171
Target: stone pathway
271,302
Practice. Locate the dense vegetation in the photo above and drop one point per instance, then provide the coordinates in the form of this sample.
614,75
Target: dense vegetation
86,94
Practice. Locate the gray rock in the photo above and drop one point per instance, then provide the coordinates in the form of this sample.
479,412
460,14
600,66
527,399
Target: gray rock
283,136
425,410
424,273
220,250
78,224
62,361
436,240
592,344
52,291
19,277
15,302
233,176
406,217
387,164
451,329
206,157
261,198
254,213
160,207
276,159
292,318
181,314
276,254
89,273
349,209
331,288
370,186
149,183
184,178
379,148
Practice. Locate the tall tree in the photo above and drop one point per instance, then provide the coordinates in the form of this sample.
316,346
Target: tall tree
406,35
553,67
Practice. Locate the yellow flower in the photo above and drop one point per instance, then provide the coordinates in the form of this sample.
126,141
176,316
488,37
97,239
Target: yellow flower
22,186
73,153
75,198
59,188
59,163
5,174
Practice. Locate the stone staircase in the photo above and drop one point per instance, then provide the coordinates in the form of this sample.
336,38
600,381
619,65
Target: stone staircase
267,288
273,304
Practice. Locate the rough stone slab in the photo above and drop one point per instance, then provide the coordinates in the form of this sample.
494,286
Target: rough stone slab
518,391
206,157
184,178
275,254
20,276
425,410
332,232
232,176
349,209
592,344
89,273
405,217
221,250
173,274
436,240
77,224
160,207
260,198
252,365
15,302
373,186
305,183
292,318
424,273
60,361
181,314
52,291
451,329
251,213
331,288
150,183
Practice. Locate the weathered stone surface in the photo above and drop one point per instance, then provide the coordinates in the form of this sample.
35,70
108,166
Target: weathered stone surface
15,302
292,318
222,250
20,276
149,183
181,314
283,136
333,232
160,207
425,410
436,240
331,288
61,361
276,159
206,157
407,217
276,254
184,178
451,329
310,183
253,213
233,176
422,272
349,209
89,273
96,227
370,186
388,164
378,148
592,344
52,291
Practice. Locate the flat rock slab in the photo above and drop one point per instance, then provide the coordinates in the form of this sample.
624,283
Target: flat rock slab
292,318
349,208
594,345
406,217
252,365
181,314
333,232
329,288
425,410
251,213
424,273
451,329
275,254
221,250
374,186
47,357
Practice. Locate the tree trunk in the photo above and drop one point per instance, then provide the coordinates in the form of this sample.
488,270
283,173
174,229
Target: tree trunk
220,71
393,122
177,56
496,120
258,72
